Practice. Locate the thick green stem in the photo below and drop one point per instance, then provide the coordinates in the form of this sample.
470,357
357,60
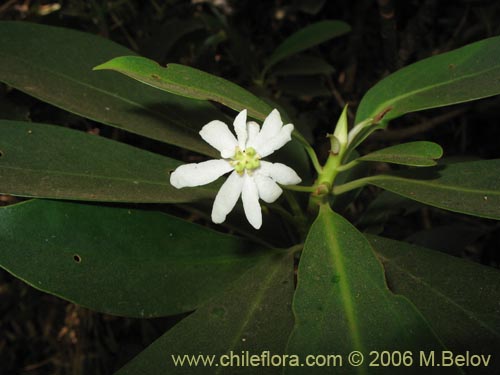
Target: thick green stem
330,171
326,177
324,183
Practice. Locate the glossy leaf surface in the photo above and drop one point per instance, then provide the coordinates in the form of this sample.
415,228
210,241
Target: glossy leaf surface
459,298
253,314
342,302
418,154
470,187
47,62
189,82
50,161
462,75
119,261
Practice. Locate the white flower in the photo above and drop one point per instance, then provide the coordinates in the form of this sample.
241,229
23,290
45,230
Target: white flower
251,177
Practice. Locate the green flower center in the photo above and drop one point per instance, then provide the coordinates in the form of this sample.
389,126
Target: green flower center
245,160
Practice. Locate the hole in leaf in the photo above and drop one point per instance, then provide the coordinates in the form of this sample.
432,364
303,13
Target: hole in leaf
77,258
1,153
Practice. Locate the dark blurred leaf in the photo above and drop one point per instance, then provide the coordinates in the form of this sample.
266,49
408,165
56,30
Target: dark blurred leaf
303,65
309,6
119,261
165,36
384,206
306,38
451,238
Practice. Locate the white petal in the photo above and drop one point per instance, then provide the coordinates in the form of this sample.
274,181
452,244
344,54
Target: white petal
272,124
240,127
227,197
269,190
271,127
279,140
250,197
280,173
253,130
197,174
218,135
227,153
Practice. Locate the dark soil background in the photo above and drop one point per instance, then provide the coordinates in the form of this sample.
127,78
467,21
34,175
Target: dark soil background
41,334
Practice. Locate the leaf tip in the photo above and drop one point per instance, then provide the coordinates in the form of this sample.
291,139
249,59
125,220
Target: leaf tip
100,66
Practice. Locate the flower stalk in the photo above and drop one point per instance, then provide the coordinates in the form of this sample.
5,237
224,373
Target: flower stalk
310,151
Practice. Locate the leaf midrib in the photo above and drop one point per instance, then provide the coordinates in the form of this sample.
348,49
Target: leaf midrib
343,285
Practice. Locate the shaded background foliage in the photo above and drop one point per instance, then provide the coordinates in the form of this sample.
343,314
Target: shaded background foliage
40,334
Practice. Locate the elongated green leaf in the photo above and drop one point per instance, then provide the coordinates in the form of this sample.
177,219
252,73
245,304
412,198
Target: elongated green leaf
342,302
471,187
460,299
48,63
468,73
49,161
253,315
189,82
308,37
119,261
418,154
